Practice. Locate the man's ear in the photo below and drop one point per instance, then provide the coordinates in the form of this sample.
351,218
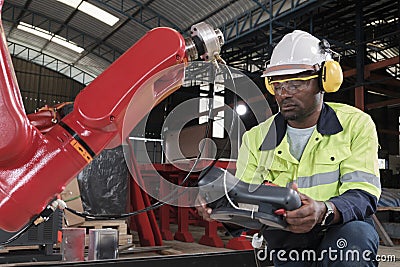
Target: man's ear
321,95
320,89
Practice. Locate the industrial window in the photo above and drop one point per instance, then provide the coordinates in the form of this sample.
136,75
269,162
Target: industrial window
218,104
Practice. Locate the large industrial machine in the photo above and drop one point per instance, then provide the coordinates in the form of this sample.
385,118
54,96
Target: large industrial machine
34,167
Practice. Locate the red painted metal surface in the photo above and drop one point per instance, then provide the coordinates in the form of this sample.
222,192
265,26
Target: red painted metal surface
15,130
183,234
47,117
185,216
210,237
146,223
35,167
239,243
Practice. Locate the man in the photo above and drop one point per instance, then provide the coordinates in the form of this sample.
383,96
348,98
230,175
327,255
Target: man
325,151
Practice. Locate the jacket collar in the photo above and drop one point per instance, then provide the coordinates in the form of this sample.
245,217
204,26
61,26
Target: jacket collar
328,124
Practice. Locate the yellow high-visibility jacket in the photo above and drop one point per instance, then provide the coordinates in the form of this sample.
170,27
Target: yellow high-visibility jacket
341,156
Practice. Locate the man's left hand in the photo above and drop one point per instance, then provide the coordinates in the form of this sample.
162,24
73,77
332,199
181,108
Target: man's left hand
303,219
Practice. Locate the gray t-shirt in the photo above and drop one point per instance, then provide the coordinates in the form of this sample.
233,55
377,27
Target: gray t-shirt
298,139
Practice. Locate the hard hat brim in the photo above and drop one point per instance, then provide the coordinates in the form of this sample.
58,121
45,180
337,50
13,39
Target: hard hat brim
287,69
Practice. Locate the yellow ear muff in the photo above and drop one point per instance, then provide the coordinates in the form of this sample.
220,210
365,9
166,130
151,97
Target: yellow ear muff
331,76
268,86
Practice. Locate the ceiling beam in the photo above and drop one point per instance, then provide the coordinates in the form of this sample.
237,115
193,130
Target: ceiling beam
83,39
382,104
261,17
124,7
385,79
386,92
386,131
373,66
57,65
210,15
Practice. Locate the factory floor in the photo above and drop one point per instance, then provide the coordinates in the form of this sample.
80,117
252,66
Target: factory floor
175,247
178,248
384,250
182,248
386,253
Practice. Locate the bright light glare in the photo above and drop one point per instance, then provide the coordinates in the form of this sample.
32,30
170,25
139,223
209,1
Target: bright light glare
49,36
36,31
92,10
98,13
241,109
71,3
62,41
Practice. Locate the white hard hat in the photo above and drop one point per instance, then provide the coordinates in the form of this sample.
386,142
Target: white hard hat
297,52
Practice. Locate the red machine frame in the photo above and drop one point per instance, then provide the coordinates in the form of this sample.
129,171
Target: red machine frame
35,167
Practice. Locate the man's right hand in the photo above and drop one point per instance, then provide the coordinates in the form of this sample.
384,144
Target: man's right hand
202,209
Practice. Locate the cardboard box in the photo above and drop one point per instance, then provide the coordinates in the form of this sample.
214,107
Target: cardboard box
71,195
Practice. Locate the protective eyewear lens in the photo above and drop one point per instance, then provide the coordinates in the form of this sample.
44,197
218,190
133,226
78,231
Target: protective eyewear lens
291,85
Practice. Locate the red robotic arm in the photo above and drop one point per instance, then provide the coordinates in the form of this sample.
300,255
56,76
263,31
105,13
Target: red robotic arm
35,167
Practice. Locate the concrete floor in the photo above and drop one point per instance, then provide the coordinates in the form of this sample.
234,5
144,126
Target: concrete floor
179,248
385,253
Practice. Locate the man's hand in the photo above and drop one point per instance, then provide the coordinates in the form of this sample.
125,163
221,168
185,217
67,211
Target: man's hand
303,219
202,209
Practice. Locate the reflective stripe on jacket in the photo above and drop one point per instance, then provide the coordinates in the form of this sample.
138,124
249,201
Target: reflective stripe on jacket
341,154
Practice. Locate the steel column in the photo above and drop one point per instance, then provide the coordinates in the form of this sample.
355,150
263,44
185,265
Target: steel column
359,91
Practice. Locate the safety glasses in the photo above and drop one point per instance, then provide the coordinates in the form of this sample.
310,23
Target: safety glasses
291,85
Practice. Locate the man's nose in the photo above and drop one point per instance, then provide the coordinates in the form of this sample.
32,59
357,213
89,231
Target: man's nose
284,92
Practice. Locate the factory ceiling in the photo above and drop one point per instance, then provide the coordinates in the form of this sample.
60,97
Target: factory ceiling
365,33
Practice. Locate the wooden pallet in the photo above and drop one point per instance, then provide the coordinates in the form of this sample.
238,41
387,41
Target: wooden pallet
387,240
7,249
120,225
388,209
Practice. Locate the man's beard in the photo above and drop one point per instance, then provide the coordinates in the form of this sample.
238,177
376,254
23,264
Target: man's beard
290,117
298,116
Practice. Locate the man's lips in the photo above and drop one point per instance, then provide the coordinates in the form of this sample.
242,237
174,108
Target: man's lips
288,106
